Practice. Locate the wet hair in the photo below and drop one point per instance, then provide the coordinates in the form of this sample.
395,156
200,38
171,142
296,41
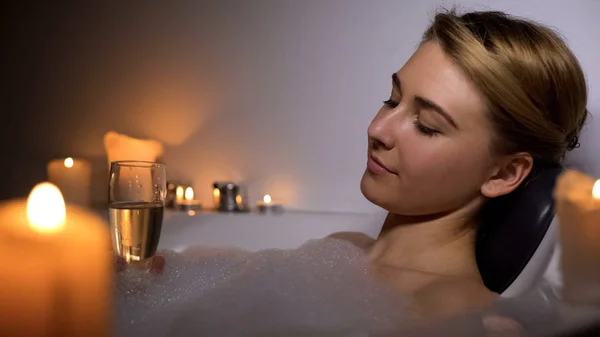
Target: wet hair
532,83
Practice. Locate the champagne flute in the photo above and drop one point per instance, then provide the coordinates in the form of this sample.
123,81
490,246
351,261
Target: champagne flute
136,205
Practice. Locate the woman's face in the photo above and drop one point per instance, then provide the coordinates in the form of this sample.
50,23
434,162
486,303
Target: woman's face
429,143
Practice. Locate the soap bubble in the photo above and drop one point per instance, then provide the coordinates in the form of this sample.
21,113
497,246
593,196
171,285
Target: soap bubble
321,288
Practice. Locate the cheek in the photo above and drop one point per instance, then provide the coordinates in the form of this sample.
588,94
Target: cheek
436,162
436,178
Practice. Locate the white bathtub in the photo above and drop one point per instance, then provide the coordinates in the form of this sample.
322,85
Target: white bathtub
253,231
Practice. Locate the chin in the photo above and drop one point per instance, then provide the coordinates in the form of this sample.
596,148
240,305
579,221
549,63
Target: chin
382,194
373,191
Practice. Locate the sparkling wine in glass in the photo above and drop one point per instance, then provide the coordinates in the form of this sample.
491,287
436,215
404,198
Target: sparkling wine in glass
137,194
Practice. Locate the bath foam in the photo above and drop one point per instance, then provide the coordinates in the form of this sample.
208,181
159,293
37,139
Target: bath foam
321,288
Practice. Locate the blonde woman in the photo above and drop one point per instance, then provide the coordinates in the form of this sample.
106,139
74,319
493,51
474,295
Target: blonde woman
485,102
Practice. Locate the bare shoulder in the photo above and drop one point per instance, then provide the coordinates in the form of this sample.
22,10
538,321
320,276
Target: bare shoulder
358,239
452,296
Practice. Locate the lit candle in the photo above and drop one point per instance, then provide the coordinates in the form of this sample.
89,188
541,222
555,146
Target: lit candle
189,194
56,268
267,205
73,177
179,194
577,198
188,203
216,197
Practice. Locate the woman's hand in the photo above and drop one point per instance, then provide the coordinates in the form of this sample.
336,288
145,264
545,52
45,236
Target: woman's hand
155,264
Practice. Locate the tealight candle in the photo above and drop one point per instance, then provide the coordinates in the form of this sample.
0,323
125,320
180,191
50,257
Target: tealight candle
179,194
267,205
175,193
577,198
188,203
216,196
56,268
73,177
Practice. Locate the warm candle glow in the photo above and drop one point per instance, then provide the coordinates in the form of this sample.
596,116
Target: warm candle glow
46,210
69,162
179,192
216,193
596,189
267,199
189,193
238,199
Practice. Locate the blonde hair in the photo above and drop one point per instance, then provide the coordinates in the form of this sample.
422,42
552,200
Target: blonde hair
533,84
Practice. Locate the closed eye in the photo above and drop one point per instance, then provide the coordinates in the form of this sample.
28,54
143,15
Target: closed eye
426,131
424,103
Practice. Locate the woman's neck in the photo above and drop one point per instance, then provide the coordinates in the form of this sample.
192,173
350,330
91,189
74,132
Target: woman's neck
442,244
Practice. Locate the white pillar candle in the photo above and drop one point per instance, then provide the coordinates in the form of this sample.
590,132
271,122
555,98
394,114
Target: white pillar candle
56,268
122,147
73,177
577,198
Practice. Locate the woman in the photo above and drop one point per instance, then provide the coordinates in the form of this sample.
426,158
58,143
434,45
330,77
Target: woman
485,101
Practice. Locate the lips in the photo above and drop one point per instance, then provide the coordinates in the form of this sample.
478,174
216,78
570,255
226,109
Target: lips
375,166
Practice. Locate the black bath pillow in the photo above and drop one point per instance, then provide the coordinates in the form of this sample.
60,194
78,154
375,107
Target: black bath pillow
512,228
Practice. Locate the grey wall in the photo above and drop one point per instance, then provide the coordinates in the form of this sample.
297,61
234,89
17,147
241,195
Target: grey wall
274,94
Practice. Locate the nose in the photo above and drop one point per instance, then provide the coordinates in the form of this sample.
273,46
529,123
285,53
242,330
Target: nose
380,132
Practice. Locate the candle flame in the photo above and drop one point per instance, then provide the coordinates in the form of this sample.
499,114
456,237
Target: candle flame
46,209
179,192
596,189
216,193
69,162
267,199
189,193
238,199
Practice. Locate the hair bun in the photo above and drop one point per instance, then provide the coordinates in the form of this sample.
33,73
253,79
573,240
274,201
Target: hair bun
573,143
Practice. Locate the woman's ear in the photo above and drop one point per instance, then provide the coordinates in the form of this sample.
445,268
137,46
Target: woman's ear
508,176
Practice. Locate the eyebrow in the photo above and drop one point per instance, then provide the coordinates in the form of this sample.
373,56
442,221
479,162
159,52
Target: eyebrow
427,104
